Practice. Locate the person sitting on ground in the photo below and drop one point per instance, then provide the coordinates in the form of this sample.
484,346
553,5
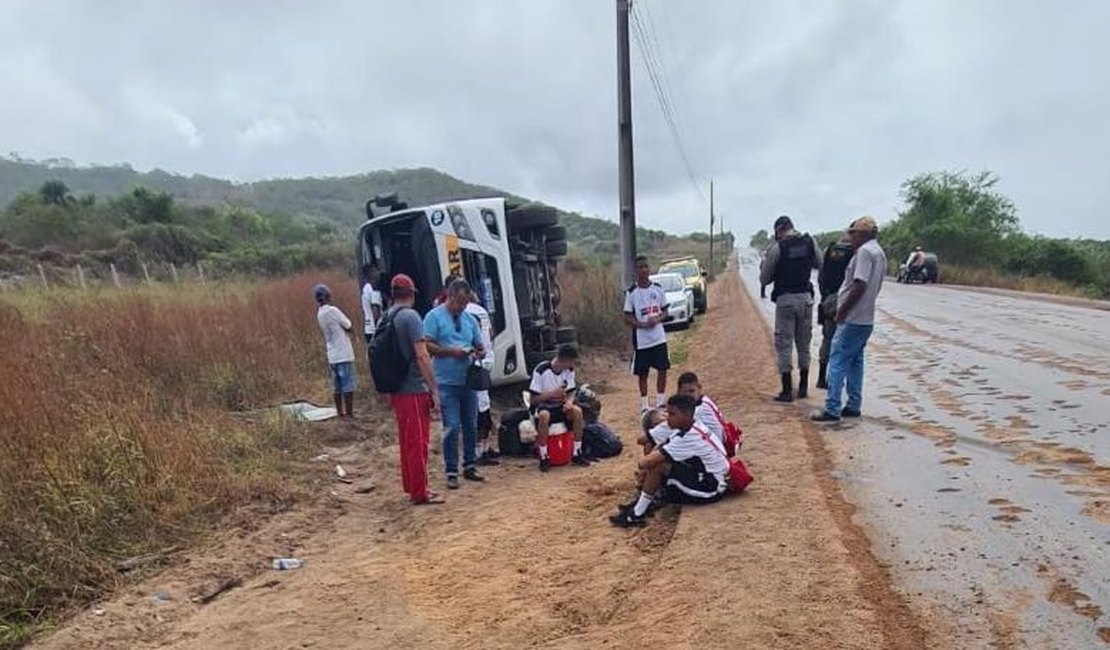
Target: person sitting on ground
655,430
335,326
552,389
689,468
707,412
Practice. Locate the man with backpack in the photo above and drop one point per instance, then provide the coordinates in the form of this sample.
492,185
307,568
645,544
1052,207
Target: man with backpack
829,279
403,369
788,264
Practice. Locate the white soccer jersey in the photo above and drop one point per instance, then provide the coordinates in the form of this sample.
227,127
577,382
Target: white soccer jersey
644,303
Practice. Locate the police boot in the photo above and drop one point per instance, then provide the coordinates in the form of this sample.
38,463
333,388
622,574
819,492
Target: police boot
803,383
822,380
787,394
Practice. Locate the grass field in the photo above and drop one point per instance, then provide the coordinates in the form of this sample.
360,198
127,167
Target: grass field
119,434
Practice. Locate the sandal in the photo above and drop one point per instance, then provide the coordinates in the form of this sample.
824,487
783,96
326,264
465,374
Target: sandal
431,500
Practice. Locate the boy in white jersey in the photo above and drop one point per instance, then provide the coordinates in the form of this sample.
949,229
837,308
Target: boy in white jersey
645,307
690,467
707,413
552,389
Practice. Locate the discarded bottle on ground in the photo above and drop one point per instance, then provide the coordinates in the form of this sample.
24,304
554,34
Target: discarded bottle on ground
287,563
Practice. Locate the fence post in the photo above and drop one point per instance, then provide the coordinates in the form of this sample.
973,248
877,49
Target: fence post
42,274
200,271
173,271
146,274
81,278
115,276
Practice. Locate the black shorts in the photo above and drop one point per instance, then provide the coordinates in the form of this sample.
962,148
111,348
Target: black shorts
485,423
655,357
557,414
690,483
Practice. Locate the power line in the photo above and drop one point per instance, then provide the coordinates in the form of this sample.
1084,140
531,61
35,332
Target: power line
648,42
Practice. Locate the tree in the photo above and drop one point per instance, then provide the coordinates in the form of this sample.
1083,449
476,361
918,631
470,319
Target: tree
760,240
959,215
55,193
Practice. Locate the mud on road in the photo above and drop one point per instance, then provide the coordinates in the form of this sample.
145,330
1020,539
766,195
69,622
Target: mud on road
529,560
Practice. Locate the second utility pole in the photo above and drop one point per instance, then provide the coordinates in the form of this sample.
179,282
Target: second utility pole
624,127
711,273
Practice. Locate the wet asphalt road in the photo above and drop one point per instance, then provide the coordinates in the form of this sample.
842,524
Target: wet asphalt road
981,468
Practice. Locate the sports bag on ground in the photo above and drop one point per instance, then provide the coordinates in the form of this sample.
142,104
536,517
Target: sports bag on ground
508,434
599,441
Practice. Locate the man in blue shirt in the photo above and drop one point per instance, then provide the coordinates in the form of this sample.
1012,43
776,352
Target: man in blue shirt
454,340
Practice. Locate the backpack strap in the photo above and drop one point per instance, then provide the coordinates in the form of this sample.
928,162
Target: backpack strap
717,412
713,443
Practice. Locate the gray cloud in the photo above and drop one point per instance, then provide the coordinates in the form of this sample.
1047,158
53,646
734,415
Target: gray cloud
819,110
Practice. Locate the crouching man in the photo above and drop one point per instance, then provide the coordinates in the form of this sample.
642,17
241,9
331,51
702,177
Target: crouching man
552,388
689,467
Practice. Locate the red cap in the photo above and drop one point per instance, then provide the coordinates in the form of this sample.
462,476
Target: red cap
402,282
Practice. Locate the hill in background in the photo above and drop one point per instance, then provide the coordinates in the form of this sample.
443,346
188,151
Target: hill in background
61,214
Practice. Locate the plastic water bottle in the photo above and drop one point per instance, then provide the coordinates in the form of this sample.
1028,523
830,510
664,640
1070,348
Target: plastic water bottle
287,563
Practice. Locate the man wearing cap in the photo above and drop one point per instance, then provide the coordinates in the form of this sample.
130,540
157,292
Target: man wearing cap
788,264
855,320
335,327
417,395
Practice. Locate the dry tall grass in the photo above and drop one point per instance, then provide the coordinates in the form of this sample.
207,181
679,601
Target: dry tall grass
116,436
986,277
593,302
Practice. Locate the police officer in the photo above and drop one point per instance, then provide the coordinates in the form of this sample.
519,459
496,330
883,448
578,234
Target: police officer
829,279
788,265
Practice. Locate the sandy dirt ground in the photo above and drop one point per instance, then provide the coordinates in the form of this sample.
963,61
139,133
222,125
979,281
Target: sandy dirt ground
529,560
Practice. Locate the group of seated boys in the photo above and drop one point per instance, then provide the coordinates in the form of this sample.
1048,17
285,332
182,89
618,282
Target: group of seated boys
684,444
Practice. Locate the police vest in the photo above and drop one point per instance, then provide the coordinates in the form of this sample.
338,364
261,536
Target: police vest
795,265
837,257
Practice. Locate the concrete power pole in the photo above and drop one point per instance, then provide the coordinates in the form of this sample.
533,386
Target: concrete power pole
624,127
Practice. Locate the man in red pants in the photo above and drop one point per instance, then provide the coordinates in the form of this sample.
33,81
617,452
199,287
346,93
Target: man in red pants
416,396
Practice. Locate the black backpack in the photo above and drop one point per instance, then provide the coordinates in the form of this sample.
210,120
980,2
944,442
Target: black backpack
388,365
599,441
508,434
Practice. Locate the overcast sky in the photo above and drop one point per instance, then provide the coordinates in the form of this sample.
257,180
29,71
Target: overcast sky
815,109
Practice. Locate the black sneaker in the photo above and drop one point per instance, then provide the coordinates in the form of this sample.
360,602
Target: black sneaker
579,461
625,519
850,413
452,482
824,416
656,504
545,464
471,474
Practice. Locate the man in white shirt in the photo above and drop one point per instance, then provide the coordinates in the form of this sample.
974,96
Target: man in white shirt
485,413
552,401
371,304
855,320
335,326
690,467
645,307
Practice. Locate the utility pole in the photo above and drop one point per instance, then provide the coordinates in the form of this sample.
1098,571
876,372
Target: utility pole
711,267
624,128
